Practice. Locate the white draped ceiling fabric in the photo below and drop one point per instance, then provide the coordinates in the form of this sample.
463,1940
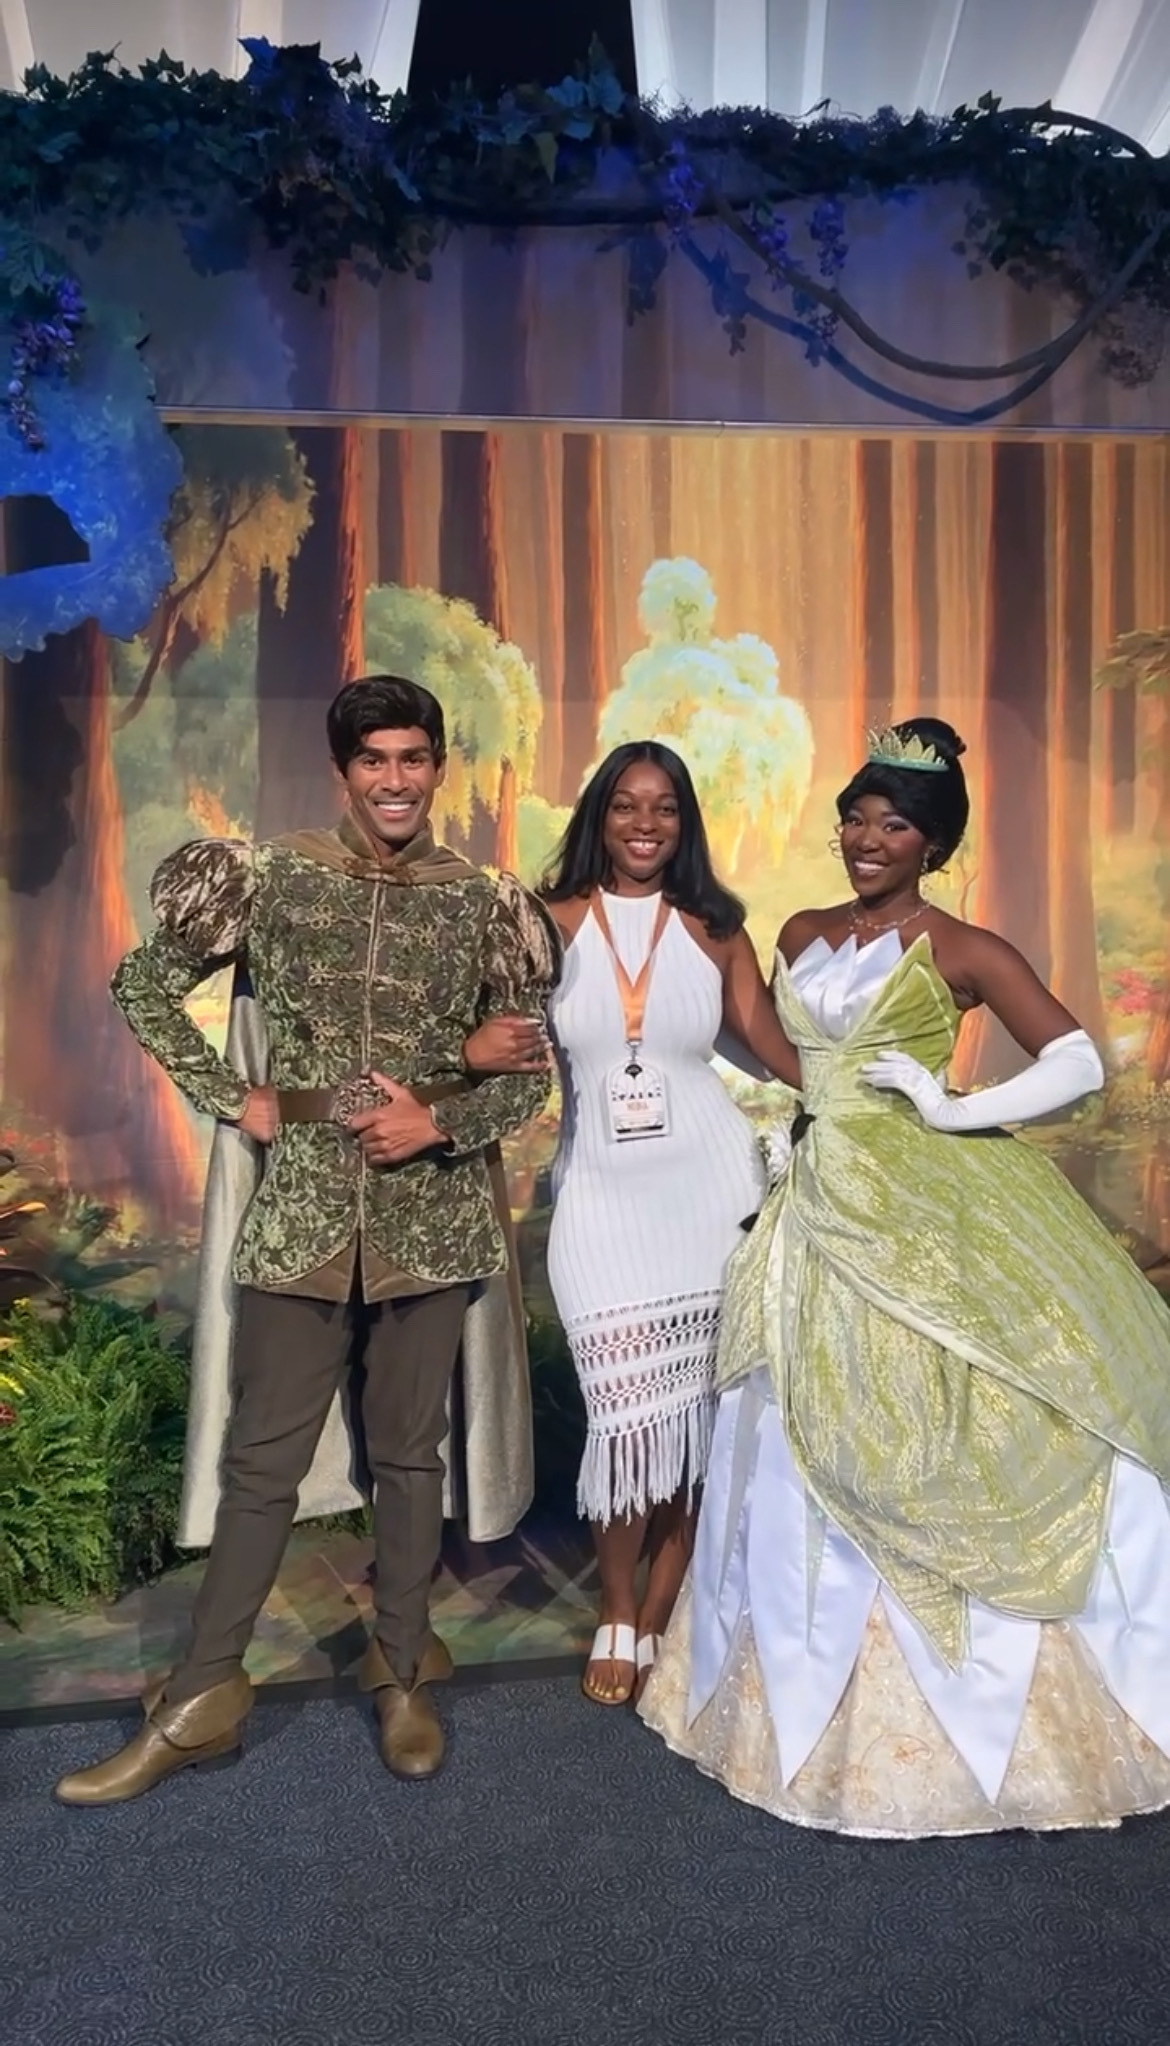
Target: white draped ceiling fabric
1109,59
1106,58
205,34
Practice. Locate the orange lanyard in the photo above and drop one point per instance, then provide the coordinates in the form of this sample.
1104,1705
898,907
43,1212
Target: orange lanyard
633,993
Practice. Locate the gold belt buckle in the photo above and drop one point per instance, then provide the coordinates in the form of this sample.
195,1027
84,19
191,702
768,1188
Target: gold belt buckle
352,1097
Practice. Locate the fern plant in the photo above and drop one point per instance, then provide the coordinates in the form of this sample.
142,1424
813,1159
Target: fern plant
92,1417
19,1276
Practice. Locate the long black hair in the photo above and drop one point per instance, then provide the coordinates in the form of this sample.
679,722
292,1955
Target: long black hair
581,863
934,801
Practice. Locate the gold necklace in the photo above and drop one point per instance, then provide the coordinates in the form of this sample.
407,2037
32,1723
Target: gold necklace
857,919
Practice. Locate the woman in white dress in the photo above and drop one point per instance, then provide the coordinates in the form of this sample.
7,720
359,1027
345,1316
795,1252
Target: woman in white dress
656,1173
929,1586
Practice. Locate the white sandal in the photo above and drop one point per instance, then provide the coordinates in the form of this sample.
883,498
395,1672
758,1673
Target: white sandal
645,1657
613,1642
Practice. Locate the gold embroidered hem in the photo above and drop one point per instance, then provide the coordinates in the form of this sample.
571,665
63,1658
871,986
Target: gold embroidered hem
927,1593
884,1768
376,1279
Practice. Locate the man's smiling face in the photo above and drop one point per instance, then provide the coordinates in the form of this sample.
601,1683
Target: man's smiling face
391,785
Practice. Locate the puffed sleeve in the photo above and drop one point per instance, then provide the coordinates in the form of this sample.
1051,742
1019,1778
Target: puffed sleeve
202,897
522,958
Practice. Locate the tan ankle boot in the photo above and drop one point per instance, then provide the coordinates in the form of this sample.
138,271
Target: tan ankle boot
412,1742
184,1736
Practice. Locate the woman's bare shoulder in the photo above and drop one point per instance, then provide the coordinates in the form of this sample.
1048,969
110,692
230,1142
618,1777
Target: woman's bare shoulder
805,926
721,950
963,943
568,916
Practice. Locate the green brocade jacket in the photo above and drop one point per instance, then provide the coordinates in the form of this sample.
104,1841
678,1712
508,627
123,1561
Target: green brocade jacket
357,964
958,1346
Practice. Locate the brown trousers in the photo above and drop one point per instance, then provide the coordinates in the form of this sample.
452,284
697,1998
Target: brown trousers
290,1357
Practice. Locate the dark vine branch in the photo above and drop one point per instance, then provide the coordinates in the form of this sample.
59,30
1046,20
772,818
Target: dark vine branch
331,171
1048,116
737,305
762,239
1047,358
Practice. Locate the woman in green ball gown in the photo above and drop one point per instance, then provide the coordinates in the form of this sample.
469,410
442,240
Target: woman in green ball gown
929,1585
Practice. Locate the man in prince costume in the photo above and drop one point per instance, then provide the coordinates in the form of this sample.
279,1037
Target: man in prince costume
929,1586
378,1232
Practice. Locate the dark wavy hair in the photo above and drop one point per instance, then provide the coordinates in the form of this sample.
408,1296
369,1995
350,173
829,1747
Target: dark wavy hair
581,863
382,703
936,804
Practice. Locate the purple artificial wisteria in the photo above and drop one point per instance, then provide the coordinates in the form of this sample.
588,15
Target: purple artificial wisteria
42,346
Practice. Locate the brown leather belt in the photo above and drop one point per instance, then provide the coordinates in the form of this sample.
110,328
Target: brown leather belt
341,1104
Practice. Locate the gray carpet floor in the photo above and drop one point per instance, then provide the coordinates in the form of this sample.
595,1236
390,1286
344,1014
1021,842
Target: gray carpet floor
564,1880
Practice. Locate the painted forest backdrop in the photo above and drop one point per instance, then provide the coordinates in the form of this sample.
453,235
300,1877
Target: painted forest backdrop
758,600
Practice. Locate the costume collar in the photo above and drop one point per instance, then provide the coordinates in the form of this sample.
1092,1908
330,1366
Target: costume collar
347,850
365,856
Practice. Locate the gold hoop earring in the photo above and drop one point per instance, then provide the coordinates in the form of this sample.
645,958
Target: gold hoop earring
834,845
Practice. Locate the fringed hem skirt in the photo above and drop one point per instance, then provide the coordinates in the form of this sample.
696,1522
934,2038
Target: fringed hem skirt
646,1374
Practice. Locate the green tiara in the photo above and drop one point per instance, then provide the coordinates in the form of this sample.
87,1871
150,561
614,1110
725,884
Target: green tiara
889,749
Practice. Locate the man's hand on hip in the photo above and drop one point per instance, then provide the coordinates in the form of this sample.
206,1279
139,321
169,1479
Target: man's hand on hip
403,1129
261,1117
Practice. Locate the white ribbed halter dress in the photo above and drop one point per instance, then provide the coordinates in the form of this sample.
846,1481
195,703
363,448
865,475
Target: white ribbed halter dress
642,1231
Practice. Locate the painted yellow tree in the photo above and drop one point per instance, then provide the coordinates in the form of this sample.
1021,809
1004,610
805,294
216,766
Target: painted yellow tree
243,509
491,698
718,702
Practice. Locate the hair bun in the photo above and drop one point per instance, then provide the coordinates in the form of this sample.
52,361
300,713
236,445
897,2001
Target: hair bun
937,733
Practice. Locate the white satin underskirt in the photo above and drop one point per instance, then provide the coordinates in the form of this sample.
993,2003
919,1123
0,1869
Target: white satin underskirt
795,1675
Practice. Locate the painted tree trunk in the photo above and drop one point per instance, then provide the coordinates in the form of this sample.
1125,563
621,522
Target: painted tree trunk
915,576
397,550
507,853
1012,847
545,469
1120,705
872,700
584,598
473,564
310,647
1075,975
70,1064
313,645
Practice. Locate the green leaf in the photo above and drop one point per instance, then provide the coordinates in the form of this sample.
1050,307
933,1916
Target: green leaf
571,92
546,149
405,185
605,91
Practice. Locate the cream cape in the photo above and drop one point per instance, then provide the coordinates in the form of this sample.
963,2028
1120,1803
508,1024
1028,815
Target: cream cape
488,1453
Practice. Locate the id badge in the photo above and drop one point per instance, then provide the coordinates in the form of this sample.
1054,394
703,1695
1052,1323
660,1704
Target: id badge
636,1102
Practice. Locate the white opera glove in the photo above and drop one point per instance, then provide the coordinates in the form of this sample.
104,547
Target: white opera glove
1065,1071
777,1147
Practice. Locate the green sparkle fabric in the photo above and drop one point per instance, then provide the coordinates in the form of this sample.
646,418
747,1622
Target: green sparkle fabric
957,1344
